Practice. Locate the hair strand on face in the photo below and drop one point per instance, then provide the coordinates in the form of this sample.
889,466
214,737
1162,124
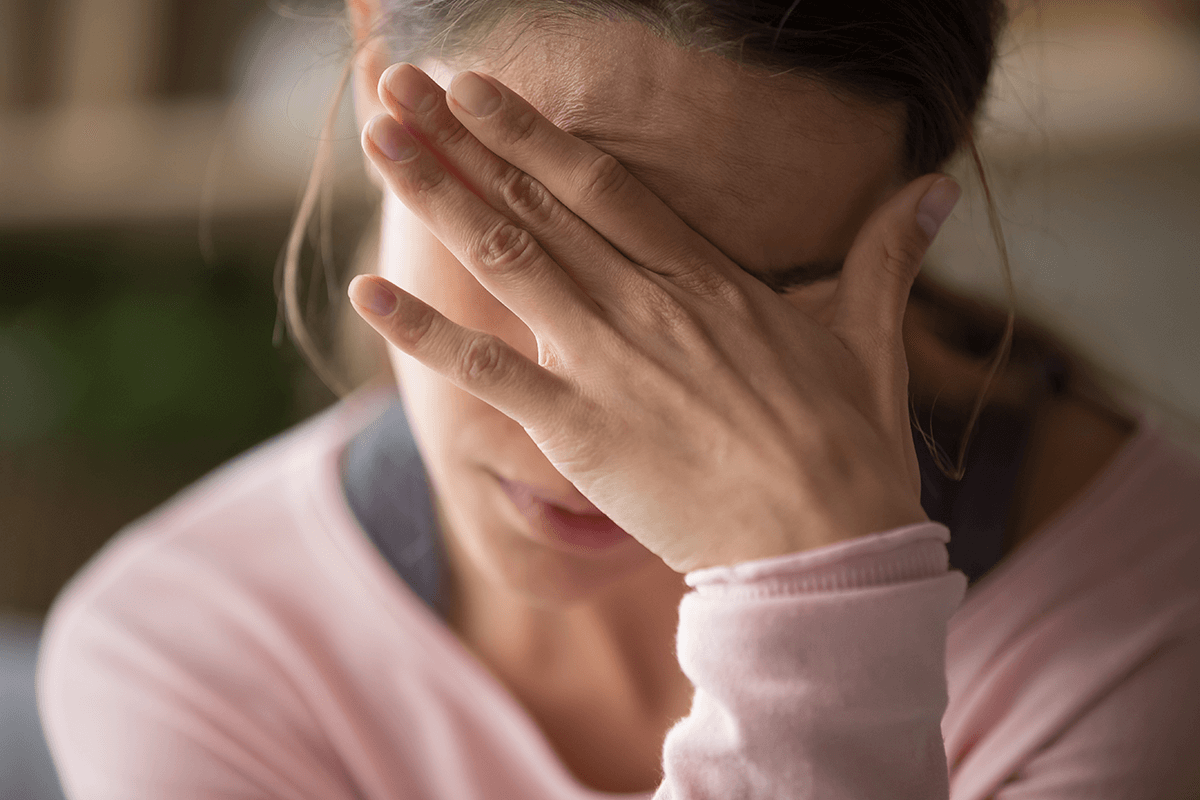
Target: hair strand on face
314,191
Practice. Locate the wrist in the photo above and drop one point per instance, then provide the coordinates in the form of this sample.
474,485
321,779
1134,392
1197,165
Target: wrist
800,534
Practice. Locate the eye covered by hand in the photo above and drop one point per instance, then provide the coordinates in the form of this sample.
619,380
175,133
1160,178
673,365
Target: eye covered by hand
708,417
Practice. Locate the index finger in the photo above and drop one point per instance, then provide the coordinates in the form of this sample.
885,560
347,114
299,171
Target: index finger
591,183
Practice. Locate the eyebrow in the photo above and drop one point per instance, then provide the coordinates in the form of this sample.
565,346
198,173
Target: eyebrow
809,272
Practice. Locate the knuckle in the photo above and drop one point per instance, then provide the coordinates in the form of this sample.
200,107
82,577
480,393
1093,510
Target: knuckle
664,312
601,177
675,318
702,278
903,252
448,134
736,299
423,179
524,196
504,246
483,359
519,128
704,281
414,324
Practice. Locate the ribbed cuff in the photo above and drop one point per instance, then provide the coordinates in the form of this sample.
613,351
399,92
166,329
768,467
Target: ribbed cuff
914,552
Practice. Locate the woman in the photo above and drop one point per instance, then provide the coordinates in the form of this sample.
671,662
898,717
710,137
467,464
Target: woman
646,277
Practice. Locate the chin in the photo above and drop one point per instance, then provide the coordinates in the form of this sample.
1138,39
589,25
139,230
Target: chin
557,581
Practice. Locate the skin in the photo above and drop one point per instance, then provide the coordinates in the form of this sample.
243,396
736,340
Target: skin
743,173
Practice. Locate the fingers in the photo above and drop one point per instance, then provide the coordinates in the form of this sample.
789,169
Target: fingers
479,363
885,259
504,257
413,97
588,181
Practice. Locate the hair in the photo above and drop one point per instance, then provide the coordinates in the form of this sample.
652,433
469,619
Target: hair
933,57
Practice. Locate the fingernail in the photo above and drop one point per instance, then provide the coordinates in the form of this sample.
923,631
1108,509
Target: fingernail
936,205
474,94
410,88
369,293
391,138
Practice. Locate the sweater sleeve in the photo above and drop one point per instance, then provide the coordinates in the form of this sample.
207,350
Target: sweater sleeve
819,674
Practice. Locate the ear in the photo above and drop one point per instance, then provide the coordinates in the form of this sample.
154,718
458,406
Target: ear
371,58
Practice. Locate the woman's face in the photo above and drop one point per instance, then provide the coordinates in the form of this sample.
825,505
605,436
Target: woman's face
774,170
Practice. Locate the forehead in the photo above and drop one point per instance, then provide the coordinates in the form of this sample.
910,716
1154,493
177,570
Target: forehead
774,169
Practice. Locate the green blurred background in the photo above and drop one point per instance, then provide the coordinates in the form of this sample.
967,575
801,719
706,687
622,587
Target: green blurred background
151,155
130,366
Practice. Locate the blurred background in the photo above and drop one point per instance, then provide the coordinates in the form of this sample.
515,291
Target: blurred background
152,153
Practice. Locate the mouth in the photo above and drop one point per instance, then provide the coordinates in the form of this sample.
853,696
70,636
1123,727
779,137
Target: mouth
574,522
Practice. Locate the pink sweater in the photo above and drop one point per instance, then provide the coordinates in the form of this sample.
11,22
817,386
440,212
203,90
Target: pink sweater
247,641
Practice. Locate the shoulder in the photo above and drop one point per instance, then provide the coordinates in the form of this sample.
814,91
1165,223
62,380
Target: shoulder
1152,470
1137,523
1137,738
1138,519
237,520
187,651
1088,640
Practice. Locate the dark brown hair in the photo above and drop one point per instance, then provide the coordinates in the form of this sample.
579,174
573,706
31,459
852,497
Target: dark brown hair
932,56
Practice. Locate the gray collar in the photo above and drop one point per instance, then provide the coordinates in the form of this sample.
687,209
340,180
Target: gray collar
386,488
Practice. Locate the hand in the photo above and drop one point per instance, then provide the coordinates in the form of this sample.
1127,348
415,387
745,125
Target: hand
711,419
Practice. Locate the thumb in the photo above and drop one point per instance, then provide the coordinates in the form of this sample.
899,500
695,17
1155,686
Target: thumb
886,256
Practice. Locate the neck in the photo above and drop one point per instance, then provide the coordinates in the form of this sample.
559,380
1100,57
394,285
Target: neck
623,634
599,676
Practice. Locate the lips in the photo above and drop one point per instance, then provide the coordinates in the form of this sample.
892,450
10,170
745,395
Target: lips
573,521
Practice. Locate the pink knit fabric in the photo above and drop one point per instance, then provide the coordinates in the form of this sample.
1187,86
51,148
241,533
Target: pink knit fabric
246,641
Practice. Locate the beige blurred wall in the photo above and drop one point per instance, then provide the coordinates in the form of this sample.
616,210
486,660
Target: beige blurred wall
118,112
1092,138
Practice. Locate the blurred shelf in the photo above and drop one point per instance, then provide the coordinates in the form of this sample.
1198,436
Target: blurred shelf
120,111
1073,77
149,162
1079,78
